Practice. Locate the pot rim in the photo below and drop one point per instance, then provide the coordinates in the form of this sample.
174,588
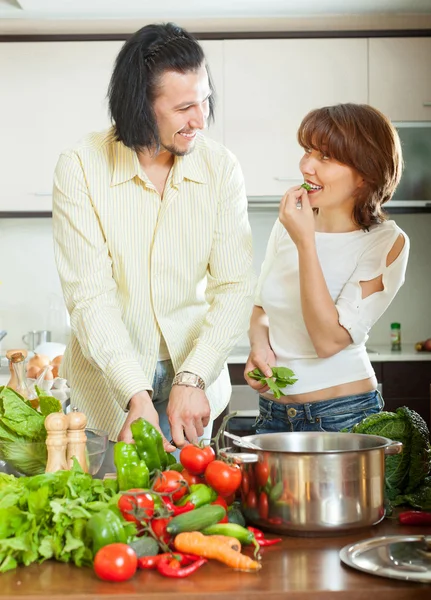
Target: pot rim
382,443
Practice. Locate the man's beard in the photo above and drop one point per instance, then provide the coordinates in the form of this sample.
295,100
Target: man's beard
176,151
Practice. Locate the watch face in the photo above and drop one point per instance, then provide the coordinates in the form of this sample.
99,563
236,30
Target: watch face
188,378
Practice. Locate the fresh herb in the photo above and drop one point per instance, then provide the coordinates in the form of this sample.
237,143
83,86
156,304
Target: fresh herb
280,378
45,517
406,473
22,431
306,186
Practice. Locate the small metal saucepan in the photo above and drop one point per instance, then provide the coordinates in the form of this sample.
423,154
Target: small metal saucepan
314,483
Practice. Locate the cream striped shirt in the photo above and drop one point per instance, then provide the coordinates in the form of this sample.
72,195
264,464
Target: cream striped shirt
134,267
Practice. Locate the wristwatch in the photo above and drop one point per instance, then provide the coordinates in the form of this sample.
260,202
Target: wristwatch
186,378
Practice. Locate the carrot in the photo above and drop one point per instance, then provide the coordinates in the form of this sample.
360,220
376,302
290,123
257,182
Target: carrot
231,542
195,542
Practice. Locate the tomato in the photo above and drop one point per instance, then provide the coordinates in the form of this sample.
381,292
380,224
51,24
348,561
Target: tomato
159,528
191,479
223,477
220,501
251,500
230,499
136,508
245,483
262,473
263,505
171,482
115,562
196,459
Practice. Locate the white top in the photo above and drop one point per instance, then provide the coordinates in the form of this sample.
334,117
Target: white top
346,259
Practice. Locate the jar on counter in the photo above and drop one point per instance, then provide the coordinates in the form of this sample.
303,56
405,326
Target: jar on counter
395,337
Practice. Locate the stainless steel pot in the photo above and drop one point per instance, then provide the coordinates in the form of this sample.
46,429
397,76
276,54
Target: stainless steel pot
314,483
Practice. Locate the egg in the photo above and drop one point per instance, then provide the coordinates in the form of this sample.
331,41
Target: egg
57,361
32,372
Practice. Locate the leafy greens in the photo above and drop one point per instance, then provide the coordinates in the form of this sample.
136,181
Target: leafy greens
281,377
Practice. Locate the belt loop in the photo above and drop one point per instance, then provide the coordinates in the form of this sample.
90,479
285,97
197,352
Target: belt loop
307,411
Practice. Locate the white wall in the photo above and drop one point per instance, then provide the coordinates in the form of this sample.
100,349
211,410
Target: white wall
30,286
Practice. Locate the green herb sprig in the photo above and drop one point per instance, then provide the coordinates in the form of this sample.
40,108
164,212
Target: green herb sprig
306,186
281,377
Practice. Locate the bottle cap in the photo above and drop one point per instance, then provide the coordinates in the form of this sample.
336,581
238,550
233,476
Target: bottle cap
395,326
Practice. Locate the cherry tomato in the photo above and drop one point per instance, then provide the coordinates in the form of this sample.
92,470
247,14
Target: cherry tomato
223,477
159,528
220,501
191,479
171,482
115,562
245,483
261,471
263,505
251,500
136,508
196,459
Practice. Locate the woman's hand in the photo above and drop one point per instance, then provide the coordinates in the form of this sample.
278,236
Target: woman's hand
261,358
298,222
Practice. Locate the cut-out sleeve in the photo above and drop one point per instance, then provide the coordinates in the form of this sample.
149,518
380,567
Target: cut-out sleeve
357,314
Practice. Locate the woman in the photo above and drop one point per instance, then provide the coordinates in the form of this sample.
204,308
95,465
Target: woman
331,270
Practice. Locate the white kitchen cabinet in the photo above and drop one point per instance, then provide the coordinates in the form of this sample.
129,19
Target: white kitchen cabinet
270,85
52,94
400,77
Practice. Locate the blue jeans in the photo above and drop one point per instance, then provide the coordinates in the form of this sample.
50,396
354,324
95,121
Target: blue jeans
328,415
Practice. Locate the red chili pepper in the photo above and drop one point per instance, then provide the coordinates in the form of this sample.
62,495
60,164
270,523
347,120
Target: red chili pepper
415,517
258,534
172,565
178,510
148,562
264,542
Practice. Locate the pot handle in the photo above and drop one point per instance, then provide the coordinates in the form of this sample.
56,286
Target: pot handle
394,448
239,457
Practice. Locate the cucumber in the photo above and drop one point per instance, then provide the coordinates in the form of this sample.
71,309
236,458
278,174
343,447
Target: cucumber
196,519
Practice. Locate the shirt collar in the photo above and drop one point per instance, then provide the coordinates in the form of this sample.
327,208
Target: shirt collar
127,166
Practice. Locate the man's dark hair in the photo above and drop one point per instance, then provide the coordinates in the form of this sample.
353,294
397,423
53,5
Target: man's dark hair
143,59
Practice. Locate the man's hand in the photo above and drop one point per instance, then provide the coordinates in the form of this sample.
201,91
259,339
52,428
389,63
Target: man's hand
188,413
141,405
260,357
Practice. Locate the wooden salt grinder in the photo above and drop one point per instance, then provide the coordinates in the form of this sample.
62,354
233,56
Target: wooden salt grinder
56,442
76,439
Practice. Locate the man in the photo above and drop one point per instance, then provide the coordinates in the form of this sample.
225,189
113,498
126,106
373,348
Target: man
153,248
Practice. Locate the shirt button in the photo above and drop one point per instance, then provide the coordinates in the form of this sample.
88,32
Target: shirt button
291,412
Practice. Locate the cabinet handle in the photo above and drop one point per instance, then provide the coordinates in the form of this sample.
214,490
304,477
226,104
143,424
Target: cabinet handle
42,194
427,104
293,179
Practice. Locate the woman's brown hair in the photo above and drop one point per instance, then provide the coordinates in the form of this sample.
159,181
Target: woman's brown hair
361,137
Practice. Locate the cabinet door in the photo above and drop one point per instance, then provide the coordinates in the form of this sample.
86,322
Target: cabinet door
400,77
270,85
53,93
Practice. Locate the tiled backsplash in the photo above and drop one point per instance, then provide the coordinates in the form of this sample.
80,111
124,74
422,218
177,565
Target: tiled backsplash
31,298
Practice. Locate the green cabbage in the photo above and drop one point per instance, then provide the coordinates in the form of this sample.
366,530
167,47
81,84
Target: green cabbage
405,472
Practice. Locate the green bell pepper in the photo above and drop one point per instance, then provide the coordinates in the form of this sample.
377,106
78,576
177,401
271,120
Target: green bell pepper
149,443
104,528
132,471
200,494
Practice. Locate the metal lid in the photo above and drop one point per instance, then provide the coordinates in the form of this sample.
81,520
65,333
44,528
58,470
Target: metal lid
405,557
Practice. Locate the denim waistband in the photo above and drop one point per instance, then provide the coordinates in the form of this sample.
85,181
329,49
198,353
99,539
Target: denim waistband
311,410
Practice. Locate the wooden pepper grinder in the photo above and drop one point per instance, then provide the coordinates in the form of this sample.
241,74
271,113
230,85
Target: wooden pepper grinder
56,442
76,439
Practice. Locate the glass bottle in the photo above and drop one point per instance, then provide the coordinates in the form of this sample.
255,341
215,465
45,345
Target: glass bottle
395,337
19,381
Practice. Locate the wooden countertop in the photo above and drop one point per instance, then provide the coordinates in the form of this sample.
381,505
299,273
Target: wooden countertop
298,569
